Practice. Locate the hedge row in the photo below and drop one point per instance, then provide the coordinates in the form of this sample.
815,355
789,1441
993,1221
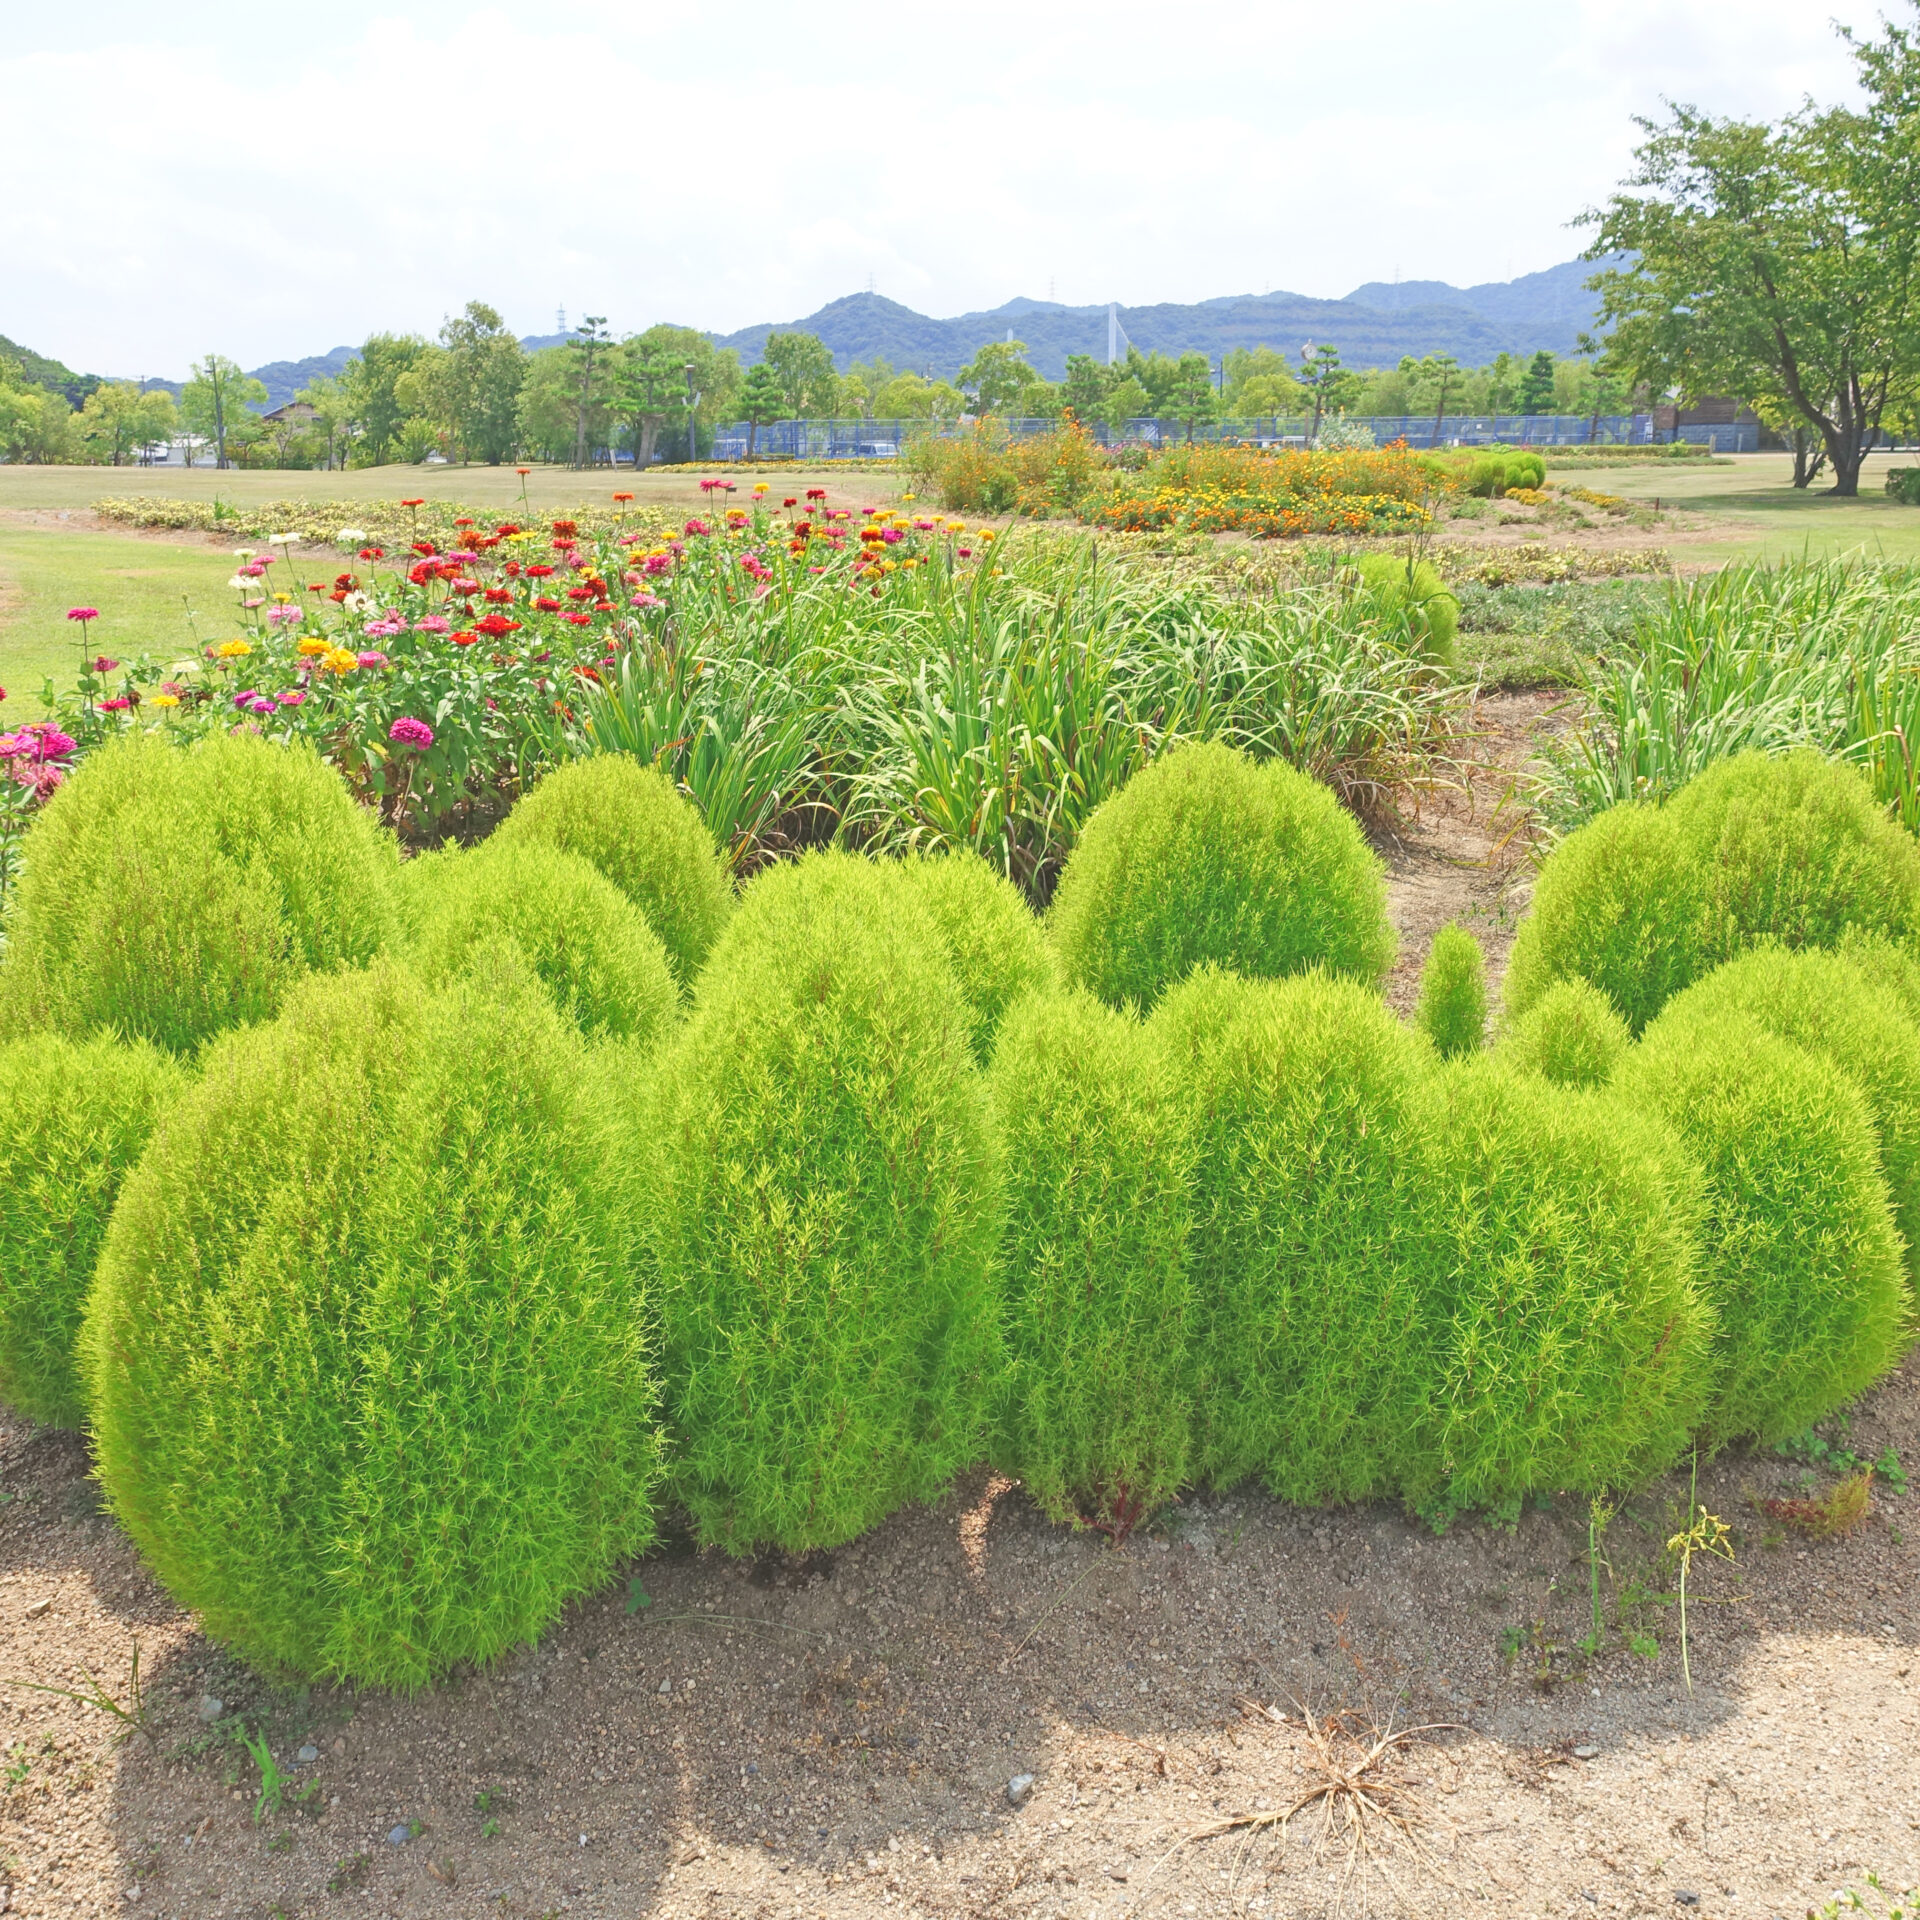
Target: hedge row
409,1247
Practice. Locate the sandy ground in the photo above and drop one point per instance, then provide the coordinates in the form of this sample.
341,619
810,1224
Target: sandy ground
851,1734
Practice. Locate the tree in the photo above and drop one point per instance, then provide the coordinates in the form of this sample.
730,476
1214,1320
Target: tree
1536,388
1432,381
761,401
372,383
1778,263
36,424
544,415
655,379
214,404
997,375
478,384
118,419
333,411
1259,381
590,341
803,364
1126,400
1193,398
1329,385
1087,385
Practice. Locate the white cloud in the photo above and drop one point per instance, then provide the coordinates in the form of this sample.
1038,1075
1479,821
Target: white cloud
206,177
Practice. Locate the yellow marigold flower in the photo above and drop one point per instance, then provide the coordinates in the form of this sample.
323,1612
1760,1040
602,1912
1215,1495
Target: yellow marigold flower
339,660
164,700
234,649
311,644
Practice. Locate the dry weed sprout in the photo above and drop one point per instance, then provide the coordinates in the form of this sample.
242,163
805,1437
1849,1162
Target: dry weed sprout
1829,1515
1350,1786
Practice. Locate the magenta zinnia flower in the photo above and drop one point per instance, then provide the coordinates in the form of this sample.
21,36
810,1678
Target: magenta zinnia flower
411,733
83,613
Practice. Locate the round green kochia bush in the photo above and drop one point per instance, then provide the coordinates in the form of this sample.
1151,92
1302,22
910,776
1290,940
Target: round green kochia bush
989,934
1415,587
1789,849
1570,1035
170,893
1569,1336
73,1120
368,1388
1207,856
1827,1004
1309,1303
1801,1260
588,945
1096,1421
824,1188
627,822
1453,994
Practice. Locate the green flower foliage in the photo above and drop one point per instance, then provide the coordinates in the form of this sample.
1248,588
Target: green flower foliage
1096,1421
590,947
368,1389
991,939
627,821
1827,1004
170,894
1570,1340
73,1120
1453,993
1788,848
1208,856
1433,613
1801,1257
1570,1035
1309,1303
826,1197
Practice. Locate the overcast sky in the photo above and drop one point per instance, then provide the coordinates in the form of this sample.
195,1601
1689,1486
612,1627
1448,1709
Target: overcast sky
272,181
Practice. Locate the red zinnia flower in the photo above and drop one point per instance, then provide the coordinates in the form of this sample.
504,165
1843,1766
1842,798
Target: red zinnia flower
538,572
545,605
497,595
464,638
496,624
414,503
816,493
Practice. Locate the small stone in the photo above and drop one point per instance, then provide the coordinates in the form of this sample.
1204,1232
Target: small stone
1586,1753
399,1836
1019,1789
666,1686
1686,1899
307,1755
38,1608
211,1709
340,1745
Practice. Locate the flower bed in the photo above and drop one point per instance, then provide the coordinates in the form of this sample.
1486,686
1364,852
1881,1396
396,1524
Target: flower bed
1275,494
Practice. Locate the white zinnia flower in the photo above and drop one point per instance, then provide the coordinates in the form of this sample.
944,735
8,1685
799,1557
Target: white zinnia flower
350,536
281,539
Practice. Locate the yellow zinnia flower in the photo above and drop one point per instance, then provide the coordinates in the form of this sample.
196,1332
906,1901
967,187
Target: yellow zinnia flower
311,644
339,660
234,649
165,700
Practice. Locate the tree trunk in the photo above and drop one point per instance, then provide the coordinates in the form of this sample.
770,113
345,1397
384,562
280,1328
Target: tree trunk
1809,458
753,434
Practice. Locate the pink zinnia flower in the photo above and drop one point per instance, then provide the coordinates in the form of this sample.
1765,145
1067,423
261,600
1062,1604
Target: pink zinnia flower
294,698
102,664
411,733
373,659
83,614
433,623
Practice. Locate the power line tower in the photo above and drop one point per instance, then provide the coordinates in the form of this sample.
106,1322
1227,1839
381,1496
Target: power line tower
560,319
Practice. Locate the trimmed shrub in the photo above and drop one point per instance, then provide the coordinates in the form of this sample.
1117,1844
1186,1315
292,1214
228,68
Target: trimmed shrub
1570,1339
1617,904
989,934
1784,848
588,945
1571,1035
1827,1004
1308,1302
627,822
170,893
1415,587
1453,993
73,1120
1208,856
1893,970
368,1389
1801,1260
1096,1421
828,1202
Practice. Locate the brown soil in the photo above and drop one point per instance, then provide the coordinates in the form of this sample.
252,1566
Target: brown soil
837,1735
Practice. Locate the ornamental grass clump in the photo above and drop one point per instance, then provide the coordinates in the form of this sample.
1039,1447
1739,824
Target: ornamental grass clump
588,945
626,821
1308,1286
1414,590
170,893
989,934
1788,849
825,1195
1453,993
1096,1420
74,1117
1569,1338
1801,1260
1571,1035
368,1387
1207,856
1827,1004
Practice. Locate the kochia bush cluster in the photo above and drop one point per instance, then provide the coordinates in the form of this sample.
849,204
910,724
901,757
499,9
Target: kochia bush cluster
558,1181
